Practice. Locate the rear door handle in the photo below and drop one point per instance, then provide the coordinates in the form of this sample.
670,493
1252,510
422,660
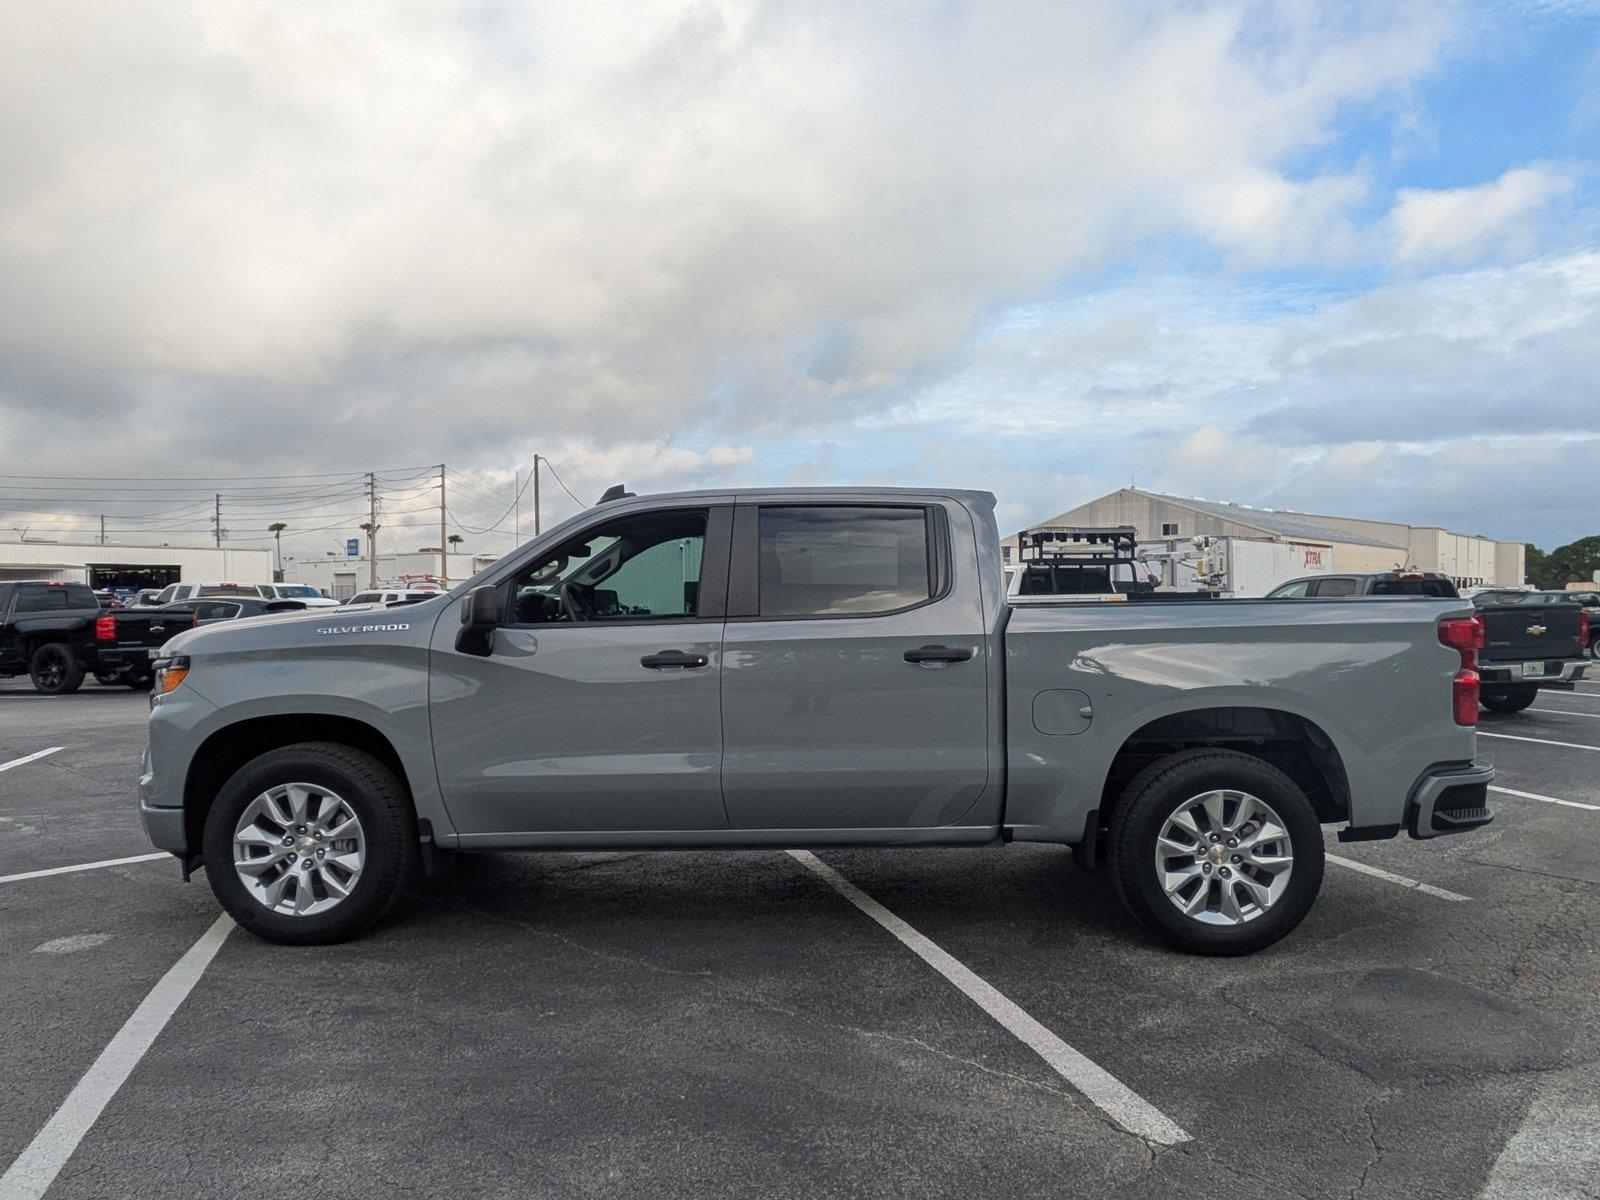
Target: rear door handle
673,660
938,655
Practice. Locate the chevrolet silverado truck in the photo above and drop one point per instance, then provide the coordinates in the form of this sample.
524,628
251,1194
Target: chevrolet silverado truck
48,632
808,668
1532,641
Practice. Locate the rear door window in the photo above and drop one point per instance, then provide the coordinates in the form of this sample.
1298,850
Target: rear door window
1291,591
216,610
1334,587
838,560
50,598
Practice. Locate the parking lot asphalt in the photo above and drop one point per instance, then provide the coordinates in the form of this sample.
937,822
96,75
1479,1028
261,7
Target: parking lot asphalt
691,1024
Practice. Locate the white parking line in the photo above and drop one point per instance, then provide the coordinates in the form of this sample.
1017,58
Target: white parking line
1380,873
1505,791
1511,737
94,866
1114,1098
28,758
1561,712
37,1166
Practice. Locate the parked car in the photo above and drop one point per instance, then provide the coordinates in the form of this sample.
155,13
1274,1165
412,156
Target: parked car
298,591
131,638
1378,583
1535,640
127,641
813,667
174,592
393,596
47,632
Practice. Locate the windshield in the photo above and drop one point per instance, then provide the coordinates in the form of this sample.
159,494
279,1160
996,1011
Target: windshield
297,591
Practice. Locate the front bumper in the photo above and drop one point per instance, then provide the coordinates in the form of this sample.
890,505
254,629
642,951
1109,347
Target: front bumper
1450,800
1563,670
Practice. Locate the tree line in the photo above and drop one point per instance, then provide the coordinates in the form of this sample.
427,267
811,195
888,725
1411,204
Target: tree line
1576,562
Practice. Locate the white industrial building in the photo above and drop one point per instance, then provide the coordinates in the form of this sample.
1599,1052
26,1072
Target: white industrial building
342,576
1327,543
128,568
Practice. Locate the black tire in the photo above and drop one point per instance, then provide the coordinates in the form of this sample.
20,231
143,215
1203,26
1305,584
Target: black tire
55,670
1152,797
388,824
1510,699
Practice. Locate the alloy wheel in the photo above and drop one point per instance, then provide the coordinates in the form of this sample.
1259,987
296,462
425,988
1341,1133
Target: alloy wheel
1224,857
298,848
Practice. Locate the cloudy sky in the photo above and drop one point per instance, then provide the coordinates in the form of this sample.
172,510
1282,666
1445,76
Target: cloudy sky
1339,257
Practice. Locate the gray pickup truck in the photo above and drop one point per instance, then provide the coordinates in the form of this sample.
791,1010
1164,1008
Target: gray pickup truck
802,667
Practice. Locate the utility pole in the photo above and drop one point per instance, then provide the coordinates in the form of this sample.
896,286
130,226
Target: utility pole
217,520
537,529
372,529
516,506
103,528
444,543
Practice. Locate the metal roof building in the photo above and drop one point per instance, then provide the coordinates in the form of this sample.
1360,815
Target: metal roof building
1353,543
132,567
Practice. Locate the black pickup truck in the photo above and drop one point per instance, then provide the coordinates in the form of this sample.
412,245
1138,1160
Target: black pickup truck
1532,640
47,632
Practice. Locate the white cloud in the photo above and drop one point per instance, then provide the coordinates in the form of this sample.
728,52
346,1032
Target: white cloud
1458,224
753,214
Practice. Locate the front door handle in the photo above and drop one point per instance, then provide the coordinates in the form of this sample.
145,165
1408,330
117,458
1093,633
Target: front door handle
673,660
938,655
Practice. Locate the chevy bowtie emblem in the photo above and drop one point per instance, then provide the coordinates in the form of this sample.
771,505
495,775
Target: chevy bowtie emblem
1535,630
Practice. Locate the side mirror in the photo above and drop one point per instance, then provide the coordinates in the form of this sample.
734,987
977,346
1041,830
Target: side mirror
480,613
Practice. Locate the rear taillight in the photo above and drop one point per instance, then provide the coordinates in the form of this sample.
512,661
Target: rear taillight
105,629
1583,628
1464,697
1467,635
1464,634
194,621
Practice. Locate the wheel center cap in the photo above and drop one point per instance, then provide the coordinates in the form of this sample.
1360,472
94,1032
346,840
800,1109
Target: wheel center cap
305,846
1216,854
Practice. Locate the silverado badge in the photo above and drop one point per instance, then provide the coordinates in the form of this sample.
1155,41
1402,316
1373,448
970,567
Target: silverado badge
1536,630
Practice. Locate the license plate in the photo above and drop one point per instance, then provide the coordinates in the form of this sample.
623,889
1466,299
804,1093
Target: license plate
1534,670
155,652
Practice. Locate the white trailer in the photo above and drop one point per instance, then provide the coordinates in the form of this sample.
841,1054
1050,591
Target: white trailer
1232,566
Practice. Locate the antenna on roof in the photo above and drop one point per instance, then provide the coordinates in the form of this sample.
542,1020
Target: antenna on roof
615,492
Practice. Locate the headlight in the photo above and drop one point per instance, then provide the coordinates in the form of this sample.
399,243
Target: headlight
170,672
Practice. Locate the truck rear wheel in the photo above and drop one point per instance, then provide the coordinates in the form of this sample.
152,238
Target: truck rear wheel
310,844
1216,852
55,670
1509,699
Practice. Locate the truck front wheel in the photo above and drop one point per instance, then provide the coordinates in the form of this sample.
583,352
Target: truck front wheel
55,670
311,843
1216,852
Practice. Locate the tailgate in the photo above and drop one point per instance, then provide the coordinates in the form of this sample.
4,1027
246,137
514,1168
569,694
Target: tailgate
1523,632
150,630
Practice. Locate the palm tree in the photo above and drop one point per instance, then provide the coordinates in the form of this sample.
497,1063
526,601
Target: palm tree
276,530
455,539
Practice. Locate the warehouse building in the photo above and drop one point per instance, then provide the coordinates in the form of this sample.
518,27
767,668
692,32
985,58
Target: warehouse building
1329,543
129,568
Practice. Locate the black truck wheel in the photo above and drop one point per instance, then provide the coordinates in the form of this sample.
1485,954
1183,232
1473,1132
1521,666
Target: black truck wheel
55,670
309,844
1215,852
1509,699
